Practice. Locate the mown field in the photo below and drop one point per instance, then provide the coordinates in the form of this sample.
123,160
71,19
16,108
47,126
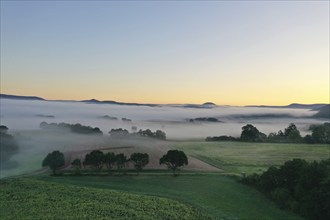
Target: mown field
28,198
242,157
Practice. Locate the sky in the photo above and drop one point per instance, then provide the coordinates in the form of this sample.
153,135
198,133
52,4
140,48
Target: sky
229,53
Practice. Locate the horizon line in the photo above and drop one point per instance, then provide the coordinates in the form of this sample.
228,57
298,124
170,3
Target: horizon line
120,102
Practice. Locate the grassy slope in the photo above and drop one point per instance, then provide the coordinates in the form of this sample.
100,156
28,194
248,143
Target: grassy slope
33,199
217,195
238,157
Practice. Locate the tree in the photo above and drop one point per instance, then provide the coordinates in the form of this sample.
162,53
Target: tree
8,147
109,160
174,159
160,135
54,161
321,133
94,159
292,134
119,132
3,129
139,160
251,133
299,186
76,164
121,161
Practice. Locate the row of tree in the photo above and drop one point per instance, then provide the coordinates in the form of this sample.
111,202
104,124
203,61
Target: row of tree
299,186
120,132
74,128
96,160
291,134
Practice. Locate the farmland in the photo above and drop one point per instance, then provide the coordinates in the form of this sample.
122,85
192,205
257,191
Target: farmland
34,199
242,157
195,194
192,196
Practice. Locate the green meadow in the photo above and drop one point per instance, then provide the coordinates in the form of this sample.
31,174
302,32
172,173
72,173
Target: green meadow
219,196
28,198
158,194
242,157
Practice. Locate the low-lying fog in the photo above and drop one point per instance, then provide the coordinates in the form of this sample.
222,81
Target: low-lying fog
20,115
24,117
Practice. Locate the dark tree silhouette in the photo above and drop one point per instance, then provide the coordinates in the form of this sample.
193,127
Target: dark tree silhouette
174,159
321,133
119,132
251,133
160,135
139,160
8,147
109,160
54,161
94,159
292,134
121,161
76,164
299,186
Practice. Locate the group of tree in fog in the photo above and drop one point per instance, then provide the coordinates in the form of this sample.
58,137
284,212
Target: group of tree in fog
74,128
116,132
96,160
298,186
291,134
119,132
8,148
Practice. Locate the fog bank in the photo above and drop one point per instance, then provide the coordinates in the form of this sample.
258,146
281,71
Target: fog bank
21,115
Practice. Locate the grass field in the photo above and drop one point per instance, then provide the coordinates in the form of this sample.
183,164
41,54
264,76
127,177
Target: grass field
220,196
33,199
240,157
156,194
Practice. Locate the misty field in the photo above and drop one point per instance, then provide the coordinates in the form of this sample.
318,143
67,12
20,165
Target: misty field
243,157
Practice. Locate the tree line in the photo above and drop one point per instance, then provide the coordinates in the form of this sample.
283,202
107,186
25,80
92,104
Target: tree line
96,160
120,132
8,148
116,132
299,186
74,128
320,134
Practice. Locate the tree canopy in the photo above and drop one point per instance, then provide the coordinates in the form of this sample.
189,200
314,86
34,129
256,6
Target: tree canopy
121,161
251,133
8,147
140,160
300,186
54,160
109,160
76,164
174,159
94,159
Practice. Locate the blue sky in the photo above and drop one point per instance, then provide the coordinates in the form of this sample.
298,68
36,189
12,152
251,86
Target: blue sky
167,52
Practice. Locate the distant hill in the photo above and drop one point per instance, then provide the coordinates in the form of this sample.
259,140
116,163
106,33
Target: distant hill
5,96
293,105
94,101
204,105
323,112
